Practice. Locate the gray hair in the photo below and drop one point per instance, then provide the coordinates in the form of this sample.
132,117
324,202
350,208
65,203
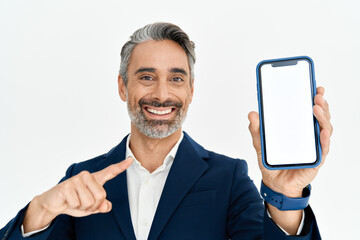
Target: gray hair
157,31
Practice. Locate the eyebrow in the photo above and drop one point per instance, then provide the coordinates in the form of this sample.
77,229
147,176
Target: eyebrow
145,69
178,70
150,69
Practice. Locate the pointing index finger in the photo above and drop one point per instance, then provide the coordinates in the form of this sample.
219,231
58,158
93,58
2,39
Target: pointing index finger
112,171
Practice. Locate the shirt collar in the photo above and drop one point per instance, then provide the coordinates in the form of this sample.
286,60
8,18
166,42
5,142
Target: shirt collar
169,157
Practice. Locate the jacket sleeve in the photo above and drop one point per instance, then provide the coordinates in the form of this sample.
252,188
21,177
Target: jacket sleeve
247,218
60,228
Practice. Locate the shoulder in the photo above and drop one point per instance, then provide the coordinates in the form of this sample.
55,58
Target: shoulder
227,163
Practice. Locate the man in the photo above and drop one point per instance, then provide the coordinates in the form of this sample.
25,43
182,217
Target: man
172,187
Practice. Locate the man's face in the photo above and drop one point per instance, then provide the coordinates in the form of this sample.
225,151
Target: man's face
158,91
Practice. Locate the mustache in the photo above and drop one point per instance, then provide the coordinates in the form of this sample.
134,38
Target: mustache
155,103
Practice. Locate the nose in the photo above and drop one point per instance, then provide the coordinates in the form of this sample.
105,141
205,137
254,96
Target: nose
161,91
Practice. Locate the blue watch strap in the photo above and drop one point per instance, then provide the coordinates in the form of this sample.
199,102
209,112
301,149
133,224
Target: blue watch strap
282,202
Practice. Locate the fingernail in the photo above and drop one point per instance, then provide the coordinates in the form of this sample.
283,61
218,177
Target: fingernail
130,159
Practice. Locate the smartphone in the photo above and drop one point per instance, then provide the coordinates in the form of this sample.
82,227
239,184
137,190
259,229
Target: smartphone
290,133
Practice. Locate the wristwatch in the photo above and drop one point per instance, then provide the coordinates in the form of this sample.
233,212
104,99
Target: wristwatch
282,202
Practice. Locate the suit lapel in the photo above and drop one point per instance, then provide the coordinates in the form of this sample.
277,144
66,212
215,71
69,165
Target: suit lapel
188,166
117,192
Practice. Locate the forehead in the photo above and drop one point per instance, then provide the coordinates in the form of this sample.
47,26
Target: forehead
161,55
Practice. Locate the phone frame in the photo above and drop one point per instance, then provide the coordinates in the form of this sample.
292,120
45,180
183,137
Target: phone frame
262,127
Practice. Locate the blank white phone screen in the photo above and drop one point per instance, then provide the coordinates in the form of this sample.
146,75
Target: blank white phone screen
288,114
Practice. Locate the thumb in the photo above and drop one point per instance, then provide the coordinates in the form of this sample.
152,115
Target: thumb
105,206
254,128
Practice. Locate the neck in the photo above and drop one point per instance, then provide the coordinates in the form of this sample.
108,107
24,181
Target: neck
151,152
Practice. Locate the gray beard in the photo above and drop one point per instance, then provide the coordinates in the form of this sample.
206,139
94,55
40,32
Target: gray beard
156,128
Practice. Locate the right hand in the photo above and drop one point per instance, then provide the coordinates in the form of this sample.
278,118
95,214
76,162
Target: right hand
78,196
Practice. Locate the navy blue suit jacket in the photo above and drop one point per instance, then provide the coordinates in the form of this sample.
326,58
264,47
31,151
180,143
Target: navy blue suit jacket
206,196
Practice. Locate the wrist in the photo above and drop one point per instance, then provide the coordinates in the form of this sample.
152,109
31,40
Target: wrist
282,202
285,189
37,216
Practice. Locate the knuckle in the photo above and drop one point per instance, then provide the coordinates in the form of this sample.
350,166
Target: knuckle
74,204
61,193
90,202
63,186
85,204
77,204
76,179
84,174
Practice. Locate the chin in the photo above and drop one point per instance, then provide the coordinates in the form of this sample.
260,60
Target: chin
158,133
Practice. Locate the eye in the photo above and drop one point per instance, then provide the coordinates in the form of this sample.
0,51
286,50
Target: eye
177,79
147,78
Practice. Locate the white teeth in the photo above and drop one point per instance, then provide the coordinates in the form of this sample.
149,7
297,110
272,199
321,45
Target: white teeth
159,112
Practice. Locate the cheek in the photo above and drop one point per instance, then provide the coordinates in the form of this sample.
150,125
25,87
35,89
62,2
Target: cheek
135,94
186,98
189,95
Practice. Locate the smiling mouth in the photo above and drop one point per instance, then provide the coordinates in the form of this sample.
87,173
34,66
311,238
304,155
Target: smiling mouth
162,112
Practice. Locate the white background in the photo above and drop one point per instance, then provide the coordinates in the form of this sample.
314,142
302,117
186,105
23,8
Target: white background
58,86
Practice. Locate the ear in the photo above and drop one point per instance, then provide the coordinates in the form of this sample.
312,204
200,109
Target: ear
122,88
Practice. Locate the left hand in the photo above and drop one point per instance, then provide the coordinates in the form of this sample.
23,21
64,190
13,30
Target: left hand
291,182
